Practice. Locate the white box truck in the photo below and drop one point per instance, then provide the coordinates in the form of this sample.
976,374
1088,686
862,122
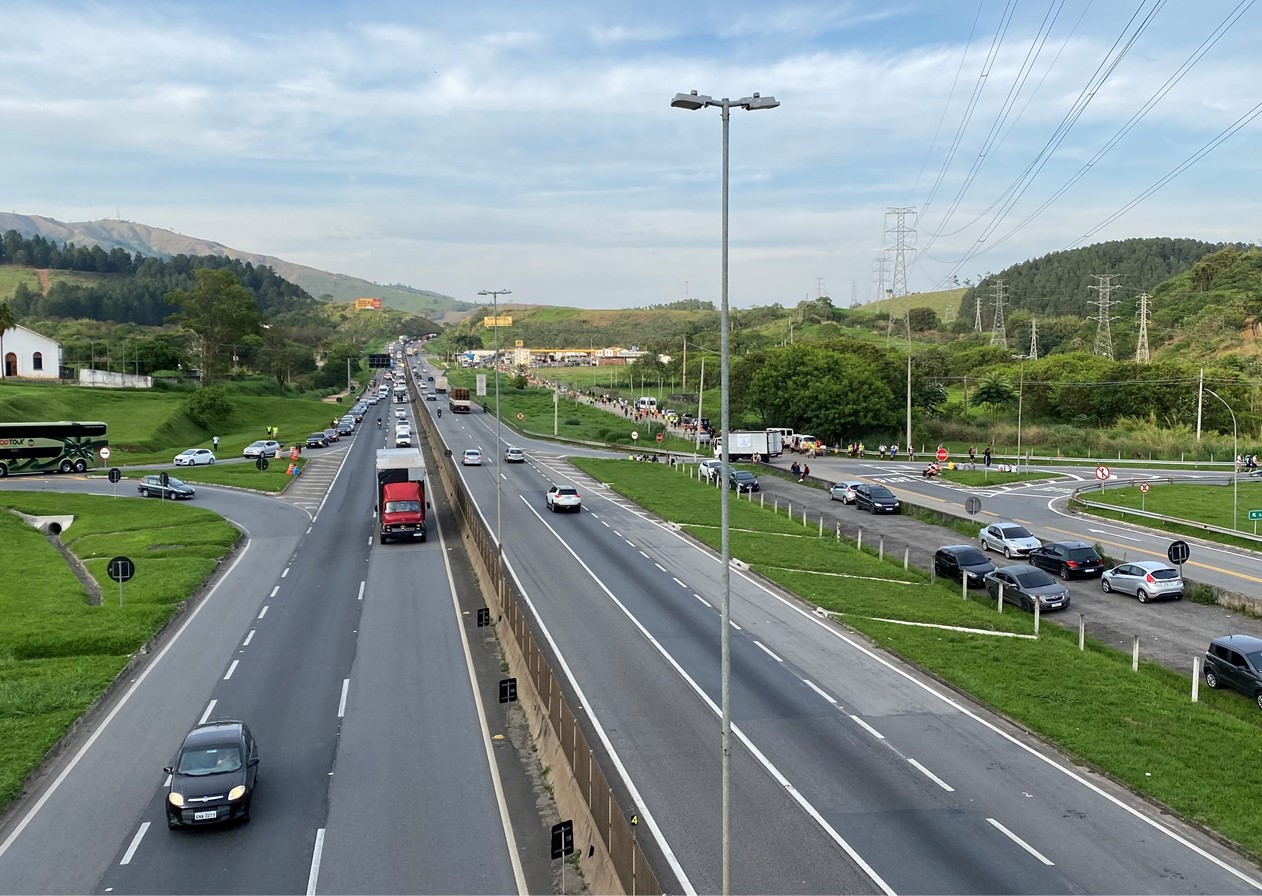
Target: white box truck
743,445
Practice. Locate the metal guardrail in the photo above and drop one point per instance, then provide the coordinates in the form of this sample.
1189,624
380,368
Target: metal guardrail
1077,496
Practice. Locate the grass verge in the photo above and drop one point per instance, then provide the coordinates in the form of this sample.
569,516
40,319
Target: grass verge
1210,504
1141,728
273,479
58,654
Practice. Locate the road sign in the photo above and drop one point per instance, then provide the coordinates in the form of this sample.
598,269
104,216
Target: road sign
635,436
521,416
261,463
973,504
943,454
562,839
120,569
1102,472
1144,486
105,452
117,474
659,438
1255,514
1178,552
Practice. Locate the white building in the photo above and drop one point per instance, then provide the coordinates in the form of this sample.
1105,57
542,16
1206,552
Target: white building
29,355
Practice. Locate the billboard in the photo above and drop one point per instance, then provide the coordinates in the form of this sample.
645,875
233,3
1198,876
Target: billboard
368,304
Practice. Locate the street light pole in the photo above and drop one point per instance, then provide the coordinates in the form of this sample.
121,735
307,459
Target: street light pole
499,531
692,101
1235,452
1020,401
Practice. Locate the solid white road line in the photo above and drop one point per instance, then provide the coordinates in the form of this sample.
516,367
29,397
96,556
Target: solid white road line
248,639
341,704
210,707
817,689
135,844
1021,843
866,727
761,646
931,776
314,874
232,668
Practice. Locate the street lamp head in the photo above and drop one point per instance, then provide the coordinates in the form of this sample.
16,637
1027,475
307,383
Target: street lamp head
758,101
691,100
495,292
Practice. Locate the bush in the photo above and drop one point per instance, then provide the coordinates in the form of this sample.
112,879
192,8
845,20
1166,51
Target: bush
208,407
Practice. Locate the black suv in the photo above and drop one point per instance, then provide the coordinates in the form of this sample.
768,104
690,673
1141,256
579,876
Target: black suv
955,561
214,774
1067,559
1236,661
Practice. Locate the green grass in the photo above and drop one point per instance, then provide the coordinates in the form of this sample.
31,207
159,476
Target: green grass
1140,727
1210,504
982,477
58,654
11,275
273,479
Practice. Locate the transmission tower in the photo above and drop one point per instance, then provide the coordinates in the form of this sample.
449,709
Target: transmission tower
878,277
1103,335
999,332
1141,349
1034,339
904,239
854,293
819,287
977,321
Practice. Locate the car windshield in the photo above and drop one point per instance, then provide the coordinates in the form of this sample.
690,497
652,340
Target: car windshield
1156,573
1033,578
176,483
1082,554
211,760
1014,532
316,435
403,507
880,491
743,474
971,557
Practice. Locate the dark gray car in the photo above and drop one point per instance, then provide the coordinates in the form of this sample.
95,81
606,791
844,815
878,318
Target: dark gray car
1024,585
1236,662
955,561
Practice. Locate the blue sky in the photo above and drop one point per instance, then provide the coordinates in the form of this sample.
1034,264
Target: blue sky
532,147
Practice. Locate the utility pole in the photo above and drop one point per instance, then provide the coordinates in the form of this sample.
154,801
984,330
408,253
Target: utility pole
999,332
1103,334
904,237
1034,339
684,387
1141,348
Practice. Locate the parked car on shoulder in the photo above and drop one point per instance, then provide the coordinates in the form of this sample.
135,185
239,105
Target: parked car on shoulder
1008,538
875,499
1235,661
193,457
213,776
318,440
708,469
1024,585
957,561
174,490
332,435
262,448
1145,579
1067,559
563,497
743,481
843,491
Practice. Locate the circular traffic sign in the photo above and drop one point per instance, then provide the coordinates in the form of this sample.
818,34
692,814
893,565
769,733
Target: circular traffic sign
972,504
1102,472
120,569
1178,552
1143,487
261,463
115,474
521,416
659,438
943,454
105,452
634,436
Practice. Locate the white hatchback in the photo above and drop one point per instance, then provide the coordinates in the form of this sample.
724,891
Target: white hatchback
193,457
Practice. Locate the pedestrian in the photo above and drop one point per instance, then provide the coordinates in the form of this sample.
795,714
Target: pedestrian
215,444
986,457
911,453
1237,463
894,451
795,469
806,472
972,457
881,451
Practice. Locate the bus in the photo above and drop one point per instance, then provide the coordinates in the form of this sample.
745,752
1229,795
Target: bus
61,447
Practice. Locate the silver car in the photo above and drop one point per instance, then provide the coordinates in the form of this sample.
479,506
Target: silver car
1010,539
1145,579
843,492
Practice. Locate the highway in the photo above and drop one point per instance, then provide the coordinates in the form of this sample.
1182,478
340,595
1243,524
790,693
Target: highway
348,661
852,772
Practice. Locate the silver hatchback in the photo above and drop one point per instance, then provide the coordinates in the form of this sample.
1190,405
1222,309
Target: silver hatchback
1146,579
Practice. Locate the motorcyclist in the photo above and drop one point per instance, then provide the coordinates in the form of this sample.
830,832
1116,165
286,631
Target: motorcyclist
379,423
440,412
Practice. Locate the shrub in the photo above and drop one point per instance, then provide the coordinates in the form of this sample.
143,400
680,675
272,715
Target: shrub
208,407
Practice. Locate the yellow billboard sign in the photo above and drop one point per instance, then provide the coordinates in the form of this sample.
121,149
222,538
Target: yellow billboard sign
501,321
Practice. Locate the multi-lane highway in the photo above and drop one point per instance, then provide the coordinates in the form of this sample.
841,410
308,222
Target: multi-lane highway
349,661
852,772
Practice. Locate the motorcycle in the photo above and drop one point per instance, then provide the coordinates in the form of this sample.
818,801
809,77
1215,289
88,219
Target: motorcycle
440,412
379,423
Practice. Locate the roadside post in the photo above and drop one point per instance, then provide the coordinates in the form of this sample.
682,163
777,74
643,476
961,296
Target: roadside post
1178,552
1143,495
120,569
116,474
1254,516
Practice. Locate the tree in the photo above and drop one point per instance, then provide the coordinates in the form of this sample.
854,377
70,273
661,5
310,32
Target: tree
922,319
7,322
995,390
220,311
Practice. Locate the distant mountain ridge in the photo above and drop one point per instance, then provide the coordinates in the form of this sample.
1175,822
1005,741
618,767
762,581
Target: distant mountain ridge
155,241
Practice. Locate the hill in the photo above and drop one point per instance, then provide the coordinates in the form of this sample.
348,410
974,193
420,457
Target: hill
942,302
159,243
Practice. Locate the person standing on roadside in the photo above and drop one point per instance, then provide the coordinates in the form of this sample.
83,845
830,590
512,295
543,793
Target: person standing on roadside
986,457
214,442
972,456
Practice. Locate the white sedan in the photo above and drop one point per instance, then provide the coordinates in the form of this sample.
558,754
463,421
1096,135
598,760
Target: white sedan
472,458
263,448
193,457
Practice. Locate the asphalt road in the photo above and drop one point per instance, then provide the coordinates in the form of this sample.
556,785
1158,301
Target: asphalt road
851,772
347,660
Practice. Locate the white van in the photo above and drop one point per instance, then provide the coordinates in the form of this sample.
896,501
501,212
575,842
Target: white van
646,404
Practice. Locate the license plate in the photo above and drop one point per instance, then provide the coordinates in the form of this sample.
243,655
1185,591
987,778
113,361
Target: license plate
205,816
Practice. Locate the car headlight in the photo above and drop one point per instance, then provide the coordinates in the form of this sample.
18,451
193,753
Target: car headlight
176,799
237,792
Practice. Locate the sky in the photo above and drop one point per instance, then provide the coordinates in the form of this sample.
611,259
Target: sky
457,147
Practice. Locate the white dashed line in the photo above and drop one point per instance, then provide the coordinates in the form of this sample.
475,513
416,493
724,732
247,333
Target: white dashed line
659,566
275,588
232,668
702,599
642,554
248,639
284,572
679,583
341,704
931,776
262,612
1021,843
361,590
735,626
763,647
817,689
210,707
868,728
630,545
135,844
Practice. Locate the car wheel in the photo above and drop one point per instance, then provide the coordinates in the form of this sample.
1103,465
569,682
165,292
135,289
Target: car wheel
1257,698
1007,552
1064,573
211,461
1178,596
982,543
1211,678
4,471
1142,595
1027,604
144,493
872,510
1104,585
171,825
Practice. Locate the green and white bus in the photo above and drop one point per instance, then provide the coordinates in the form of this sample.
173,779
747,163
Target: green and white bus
61,447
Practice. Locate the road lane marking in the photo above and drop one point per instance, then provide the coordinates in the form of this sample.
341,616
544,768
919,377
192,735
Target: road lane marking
868,728
284,572
702,599
248,639
232,668
817,689
642,554
767,650
659,566
314,874
135,844
361,590
341,704
679,583
733,624
263,612
1021,843
210,707
275,588
931,776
